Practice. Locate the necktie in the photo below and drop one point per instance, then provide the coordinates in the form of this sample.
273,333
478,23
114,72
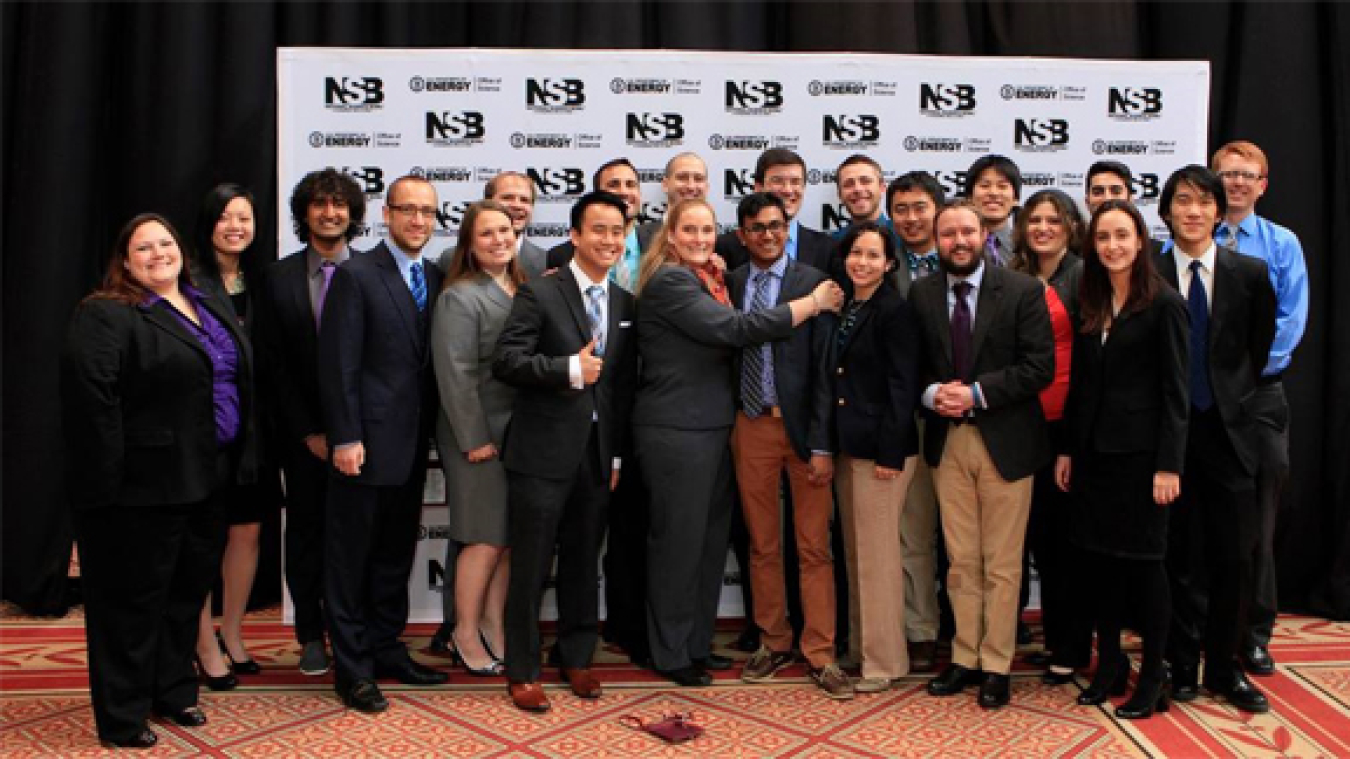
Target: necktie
326,268
755,359
961,331
1202,397
993,250
595,313
419,285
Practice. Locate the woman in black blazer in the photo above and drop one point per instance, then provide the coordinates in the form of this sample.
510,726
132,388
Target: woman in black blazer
157,396
877,389
1126,441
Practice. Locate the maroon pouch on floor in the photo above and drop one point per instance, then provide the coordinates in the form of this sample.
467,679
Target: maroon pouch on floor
671,728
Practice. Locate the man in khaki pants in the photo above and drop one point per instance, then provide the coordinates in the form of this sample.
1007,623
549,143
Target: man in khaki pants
987,351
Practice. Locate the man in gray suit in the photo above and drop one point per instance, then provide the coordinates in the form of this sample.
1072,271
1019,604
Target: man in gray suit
515,191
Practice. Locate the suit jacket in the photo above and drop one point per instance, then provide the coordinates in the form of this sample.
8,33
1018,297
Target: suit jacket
801,363
1012,357
289,344
533,259
375,365
138,406
1241,330
688,345
551,421
475,406
814,248
1130,394
876,382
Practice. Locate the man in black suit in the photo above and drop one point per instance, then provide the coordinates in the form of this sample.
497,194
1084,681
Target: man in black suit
988,351
327,208
567,348
783,173
783,426
619,178
378,405
1232,309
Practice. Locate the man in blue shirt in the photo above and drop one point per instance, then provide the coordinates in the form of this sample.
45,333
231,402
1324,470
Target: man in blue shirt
1243,168
620,177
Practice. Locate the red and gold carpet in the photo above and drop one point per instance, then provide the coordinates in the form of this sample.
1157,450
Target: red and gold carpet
44,711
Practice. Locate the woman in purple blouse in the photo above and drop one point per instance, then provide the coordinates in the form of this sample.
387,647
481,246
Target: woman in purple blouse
156,395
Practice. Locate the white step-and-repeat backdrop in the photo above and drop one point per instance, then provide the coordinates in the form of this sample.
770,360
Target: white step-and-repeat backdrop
457,117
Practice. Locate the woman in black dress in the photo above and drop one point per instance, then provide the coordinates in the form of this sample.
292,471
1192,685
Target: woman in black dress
1127,416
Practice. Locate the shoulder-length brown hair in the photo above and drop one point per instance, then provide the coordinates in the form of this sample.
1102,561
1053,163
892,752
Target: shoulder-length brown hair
463,265
118,284
1025,259
660,251
1094,298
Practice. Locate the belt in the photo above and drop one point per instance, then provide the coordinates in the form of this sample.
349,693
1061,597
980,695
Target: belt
774,411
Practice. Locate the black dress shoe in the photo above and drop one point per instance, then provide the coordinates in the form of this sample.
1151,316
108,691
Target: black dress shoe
189,717
1257,661
692,676
1150,694
363,696
1240,692
995,691
440,641
1112,678
1185,682
715,663
146,738
411,673
953,680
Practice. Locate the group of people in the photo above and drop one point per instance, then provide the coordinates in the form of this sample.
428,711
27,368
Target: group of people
881,423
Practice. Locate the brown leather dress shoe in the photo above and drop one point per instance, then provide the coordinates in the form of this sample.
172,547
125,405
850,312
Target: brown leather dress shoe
583,682
528,697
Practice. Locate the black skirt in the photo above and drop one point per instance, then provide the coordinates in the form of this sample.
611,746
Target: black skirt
1114,512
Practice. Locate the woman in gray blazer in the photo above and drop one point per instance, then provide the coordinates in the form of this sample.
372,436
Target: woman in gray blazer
480,282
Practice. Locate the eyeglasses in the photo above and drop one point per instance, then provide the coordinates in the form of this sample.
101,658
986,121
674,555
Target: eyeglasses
774,227
413,211
1246,176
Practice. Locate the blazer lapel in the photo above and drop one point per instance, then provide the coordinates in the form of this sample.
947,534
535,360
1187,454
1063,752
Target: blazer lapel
986,309
160,317
571,294
398,291
864,313
494,294
299,292
1225,285
1167,266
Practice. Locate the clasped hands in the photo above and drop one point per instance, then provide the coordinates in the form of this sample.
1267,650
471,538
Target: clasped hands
953,399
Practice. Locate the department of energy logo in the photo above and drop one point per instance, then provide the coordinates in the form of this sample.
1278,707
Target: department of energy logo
915,144
555,95
947,100
1134,103
1039,180
651,176
555,140
437,84
455,128
756,142
817,88
820,176
754,97
451,173
640,86
1040,135
543,230
353,94
1120,147
1042,92
339,139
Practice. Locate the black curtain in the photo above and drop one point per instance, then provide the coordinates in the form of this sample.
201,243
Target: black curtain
113,109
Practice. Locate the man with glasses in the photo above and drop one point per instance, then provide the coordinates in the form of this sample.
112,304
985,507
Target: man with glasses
1243,168
783,173
378,404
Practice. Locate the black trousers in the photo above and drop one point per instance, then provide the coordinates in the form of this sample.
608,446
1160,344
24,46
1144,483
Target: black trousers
146,571
625,563
306,493
1271,409
567,517
1066,616
689,476
1139,587
369,544
1210,548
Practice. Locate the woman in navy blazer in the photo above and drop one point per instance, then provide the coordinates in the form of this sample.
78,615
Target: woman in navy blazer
876,387
157,397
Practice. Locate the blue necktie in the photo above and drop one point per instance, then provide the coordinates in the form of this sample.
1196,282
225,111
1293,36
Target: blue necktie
1202,397
419,285
755,358
596,315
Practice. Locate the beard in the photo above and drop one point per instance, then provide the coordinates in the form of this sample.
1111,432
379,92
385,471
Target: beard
961,270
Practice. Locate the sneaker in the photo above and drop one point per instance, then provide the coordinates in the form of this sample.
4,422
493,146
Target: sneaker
872,684
314,659
764,664
833,681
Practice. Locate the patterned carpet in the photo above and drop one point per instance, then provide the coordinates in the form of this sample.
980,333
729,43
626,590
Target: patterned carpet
44,711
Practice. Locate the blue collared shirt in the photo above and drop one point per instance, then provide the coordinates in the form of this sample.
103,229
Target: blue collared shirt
405,260
772,285
1283,254
632,259
793,234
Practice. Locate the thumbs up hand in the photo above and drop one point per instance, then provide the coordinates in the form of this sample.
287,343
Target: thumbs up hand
590,364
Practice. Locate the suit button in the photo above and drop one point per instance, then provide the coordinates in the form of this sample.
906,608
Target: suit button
841,401
840,370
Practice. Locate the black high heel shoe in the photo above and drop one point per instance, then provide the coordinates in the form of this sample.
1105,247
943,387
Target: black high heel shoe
1110,680
189,717
226,681
1151,694
493,668
482,637
245,667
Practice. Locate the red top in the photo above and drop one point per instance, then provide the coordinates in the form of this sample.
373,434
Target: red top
1055,394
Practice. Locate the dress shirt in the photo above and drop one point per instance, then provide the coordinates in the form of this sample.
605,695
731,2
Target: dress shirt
1183,263
920,266
314,273
1283,254
772,285
584,283
404,259
793,234
976,280
632,259
1004,235
219,345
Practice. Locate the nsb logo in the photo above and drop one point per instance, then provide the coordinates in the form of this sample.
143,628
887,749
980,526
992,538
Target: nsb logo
1145,188
649,130
852,131
946,99
450,214
737,183
353,93
1041,135
755,98
1134,103
455,127
557,184
554,95
834,216
371,178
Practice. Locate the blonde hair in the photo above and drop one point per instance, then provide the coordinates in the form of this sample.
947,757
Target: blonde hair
1242,149
661,252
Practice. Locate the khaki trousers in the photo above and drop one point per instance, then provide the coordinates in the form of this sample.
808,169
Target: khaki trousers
918,541
872,510
762,451
984,522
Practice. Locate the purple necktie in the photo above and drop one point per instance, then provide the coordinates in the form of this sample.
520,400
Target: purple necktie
992,250
961,331
327,268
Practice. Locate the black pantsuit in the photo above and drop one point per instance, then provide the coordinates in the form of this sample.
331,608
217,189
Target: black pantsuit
625,564
306,492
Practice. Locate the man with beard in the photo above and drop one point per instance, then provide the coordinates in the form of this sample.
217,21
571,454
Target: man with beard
988,351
